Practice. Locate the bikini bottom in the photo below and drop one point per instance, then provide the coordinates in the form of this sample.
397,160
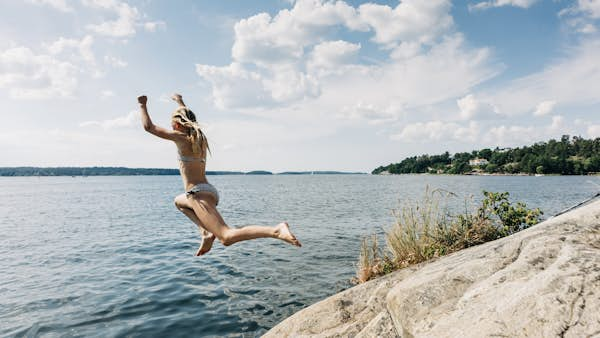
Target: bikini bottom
204,187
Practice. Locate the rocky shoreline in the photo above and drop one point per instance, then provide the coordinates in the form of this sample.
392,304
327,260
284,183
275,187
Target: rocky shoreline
542,281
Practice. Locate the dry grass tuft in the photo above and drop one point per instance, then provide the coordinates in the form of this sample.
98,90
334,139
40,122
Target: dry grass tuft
427,230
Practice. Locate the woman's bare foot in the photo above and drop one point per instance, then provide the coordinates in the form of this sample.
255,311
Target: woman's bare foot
282,231
207,242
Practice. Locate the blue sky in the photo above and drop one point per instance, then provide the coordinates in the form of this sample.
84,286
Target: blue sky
294,85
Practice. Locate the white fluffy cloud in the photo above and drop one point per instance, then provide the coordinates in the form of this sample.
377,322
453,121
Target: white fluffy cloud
73,48
587,28
329,55
129,120
114,61
573,79
286,84
442,73
128,19
589,7
544,108
371,112
121,27
153,26
500,3
286,59
233,86
593,131
515,135
263,40
437,131
582,16
28,75
54,69
410,21
61,5
512,135
489,133
471,108
558,123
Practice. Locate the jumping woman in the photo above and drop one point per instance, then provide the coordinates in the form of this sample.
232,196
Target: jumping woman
200,201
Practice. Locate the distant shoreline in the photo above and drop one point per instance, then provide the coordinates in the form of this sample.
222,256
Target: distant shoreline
567,156
486,174
124,171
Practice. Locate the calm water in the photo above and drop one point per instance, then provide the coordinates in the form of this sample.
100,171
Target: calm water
111,256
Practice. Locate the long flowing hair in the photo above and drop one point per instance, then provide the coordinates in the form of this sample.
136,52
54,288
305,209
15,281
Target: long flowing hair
187,119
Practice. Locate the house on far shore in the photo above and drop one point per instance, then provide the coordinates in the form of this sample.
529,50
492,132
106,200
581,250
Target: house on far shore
478,162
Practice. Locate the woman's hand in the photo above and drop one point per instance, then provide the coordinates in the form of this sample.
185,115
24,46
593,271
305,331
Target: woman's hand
179,99
176,97
142,99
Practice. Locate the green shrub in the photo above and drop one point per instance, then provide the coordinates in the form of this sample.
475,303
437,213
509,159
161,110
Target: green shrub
512,218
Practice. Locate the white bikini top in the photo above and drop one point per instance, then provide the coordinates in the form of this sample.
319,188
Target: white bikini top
191,159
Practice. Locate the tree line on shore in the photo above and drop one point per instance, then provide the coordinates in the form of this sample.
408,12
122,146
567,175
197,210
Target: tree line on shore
123,171
567,156
84,171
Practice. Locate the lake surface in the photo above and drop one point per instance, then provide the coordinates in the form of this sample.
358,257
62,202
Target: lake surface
112,257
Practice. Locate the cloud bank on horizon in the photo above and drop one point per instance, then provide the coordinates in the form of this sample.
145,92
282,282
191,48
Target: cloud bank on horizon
296,85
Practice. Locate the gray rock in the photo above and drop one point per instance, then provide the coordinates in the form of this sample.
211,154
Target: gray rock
541,282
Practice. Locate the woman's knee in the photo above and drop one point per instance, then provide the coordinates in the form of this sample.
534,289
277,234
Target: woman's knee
226,238
180,201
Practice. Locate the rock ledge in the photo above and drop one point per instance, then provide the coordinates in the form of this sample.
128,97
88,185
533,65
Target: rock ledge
543,281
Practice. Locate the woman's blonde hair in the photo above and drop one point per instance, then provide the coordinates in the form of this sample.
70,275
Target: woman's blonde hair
187,119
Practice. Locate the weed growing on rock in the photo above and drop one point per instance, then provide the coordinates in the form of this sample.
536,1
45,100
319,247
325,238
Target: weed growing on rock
427,230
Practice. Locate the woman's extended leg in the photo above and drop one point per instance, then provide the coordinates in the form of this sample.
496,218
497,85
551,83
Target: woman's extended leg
209,216
207,237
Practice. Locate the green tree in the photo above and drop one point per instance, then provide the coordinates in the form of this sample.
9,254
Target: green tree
485,153
566,156
491,168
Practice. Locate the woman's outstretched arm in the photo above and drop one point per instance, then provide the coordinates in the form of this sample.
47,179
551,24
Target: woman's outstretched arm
150,127
146,121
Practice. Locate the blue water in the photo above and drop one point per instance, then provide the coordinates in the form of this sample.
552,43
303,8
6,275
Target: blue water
112,257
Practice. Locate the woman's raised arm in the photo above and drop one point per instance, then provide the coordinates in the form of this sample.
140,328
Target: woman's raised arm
146,121
154,129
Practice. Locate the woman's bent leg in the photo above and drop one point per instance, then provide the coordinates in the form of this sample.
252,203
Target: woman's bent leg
207,237
182,205
209,216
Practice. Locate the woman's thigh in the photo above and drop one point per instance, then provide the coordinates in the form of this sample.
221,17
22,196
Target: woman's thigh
205,196
204,206
185,201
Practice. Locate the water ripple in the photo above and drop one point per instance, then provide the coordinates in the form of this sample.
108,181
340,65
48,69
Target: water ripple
111,256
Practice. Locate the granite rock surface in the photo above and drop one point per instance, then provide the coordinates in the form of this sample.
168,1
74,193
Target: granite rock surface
541,282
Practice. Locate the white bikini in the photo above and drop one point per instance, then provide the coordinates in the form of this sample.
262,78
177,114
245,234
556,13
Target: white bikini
201,187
